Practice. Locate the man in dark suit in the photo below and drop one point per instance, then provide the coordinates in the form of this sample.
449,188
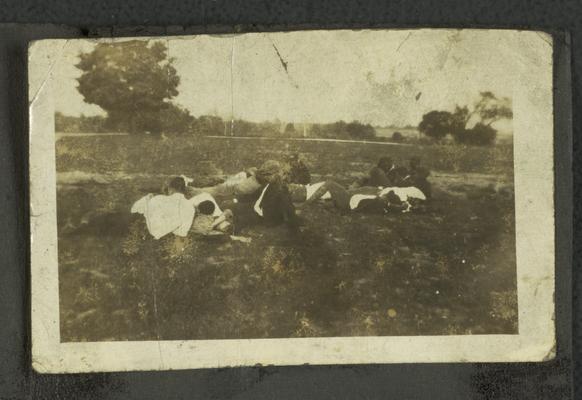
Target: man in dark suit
418,176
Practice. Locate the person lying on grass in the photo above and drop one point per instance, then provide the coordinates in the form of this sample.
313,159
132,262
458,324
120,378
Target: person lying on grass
166,213
240,186
384,174
417,175
270,205
236,186
257,196
366,198
174,213
245,184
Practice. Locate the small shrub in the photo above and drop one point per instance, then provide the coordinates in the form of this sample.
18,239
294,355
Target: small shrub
397,137
479,135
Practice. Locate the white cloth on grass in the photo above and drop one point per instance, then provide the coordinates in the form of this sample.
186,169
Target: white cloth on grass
166,214
311,188
404,193
356,198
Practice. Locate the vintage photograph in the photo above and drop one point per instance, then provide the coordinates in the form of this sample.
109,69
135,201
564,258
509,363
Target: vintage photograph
323,184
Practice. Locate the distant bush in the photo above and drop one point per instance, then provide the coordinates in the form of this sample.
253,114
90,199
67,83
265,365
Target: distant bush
290,130
171,119
397,137
436,124
335,130
242,128
81,124
208,125
342,130
252,129
479,135
176,120
357,130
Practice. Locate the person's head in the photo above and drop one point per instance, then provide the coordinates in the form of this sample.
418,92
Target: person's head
177,185
385,163
206,207
414,162
391,199
268,171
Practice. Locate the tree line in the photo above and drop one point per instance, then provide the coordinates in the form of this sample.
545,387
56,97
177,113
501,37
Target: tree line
135,83
210,125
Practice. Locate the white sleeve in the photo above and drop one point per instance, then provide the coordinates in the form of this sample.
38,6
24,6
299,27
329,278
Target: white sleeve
140,206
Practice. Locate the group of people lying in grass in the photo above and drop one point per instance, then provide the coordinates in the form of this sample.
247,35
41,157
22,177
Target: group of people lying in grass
270,194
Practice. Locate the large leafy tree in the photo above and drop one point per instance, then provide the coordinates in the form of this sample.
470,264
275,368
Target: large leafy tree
487,110
132,81
436,124
491,109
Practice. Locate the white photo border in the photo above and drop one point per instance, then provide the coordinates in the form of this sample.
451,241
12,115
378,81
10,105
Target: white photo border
534,209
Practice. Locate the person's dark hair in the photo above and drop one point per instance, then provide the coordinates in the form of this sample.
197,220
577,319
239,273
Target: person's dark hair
268,171
392,198
178,185
385,163
206,207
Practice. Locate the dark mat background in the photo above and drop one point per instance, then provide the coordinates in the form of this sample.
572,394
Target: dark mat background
551,380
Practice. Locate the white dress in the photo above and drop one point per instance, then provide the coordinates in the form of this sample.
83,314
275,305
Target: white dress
166,214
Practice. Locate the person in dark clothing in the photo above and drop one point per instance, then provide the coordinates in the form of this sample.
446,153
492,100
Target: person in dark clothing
418,176
275,209
378,176
270,205
397,176
370,199
384,174
390,203
276,205
298,172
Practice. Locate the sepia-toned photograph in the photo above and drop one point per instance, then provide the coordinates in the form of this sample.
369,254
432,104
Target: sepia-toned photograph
323,184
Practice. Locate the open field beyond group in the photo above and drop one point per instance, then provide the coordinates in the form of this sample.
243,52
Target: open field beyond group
447,270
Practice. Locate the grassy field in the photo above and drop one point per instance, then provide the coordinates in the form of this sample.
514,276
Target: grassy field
448,270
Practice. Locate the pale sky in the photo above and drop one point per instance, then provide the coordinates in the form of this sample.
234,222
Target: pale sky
371,76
